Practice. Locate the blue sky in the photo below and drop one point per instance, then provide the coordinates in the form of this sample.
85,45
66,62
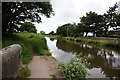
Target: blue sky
69,11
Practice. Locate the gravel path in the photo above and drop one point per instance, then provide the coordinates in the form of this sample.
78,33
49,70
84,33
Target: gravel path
43,67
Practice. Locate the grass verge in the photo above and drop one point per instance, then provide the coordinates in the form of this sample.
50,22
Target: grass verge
24,73
32,44
115,44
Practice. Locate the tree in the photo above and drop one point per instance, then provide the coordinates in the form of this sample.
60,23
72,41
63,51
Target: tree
80,29
14,13
42,33
71,30
62,30
28,27
51,33
91,22
33,30
110,19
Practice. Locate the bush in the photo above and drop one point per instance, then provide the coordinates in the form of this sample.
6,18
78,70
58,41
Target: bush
76,68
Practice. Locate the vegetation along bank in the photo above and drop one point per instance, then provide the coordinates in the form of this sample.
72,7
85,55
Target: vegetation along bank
107,43
32,44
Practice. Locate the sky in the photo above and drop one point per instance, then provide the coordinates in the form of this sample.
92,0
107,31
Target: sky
69,11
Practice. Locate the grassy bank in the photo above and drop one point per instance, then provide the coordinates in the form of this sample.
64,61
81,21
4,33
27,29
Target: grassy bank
53,36
115,44
24,73
32,44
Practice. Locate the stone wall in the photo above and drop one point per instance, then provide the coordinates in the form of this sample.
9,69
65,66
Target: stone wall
11,61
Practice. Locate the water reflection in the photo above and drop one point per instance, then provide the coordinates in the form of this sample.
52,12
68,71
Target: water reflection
104,62
52,39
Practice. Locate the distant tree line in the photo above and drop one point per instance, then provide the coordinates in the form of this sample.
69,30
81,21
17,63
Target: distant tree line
50,33
99,25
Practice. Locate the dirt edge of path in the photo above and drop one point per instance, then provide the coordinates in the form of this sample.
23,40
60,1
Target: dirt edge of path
44,67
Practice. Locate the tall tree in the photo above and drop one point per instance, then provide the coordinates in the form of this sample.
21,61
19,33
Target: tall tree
13,13
110,19
71,30
91,22
80,29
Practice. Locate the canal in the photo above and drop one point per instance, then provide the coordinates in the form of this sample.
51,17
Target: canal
103,62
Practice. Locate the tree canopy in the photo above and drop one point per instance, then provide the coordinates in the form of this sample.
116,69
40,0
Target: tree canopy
28,27
62,30
51,33
14,13
42,33
94,23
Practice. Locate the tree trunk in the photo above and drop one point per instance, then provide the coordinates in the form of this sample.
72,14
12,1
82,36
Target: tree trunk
82,34
93,34
86,34
106,30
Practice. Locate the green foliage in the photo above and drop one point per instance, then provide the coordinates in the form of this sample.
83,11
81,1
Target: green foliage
115,44
94,23
48,53
53,76
54,59
65,30
22,11
52,33
31,43
111,19
71,30
42,33
24,73
33,30
76,68
28,27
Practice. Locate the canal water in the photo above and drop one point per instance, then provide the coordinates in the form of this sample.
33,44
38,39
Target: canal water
103,62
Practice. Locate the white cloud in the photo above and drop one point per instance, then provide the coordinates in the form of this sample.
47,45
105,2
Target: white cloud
69,11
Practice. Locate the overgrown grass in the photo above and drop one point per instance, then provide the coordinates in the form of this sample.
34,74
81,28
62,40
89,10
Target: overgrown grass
115,44
32,44
24,73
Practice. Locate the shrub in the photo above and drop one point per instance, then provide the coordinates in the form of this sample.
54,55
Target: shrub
76,68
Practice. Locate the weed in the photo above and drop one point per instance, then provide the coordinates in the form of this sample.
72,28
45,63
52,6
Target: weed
24,73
